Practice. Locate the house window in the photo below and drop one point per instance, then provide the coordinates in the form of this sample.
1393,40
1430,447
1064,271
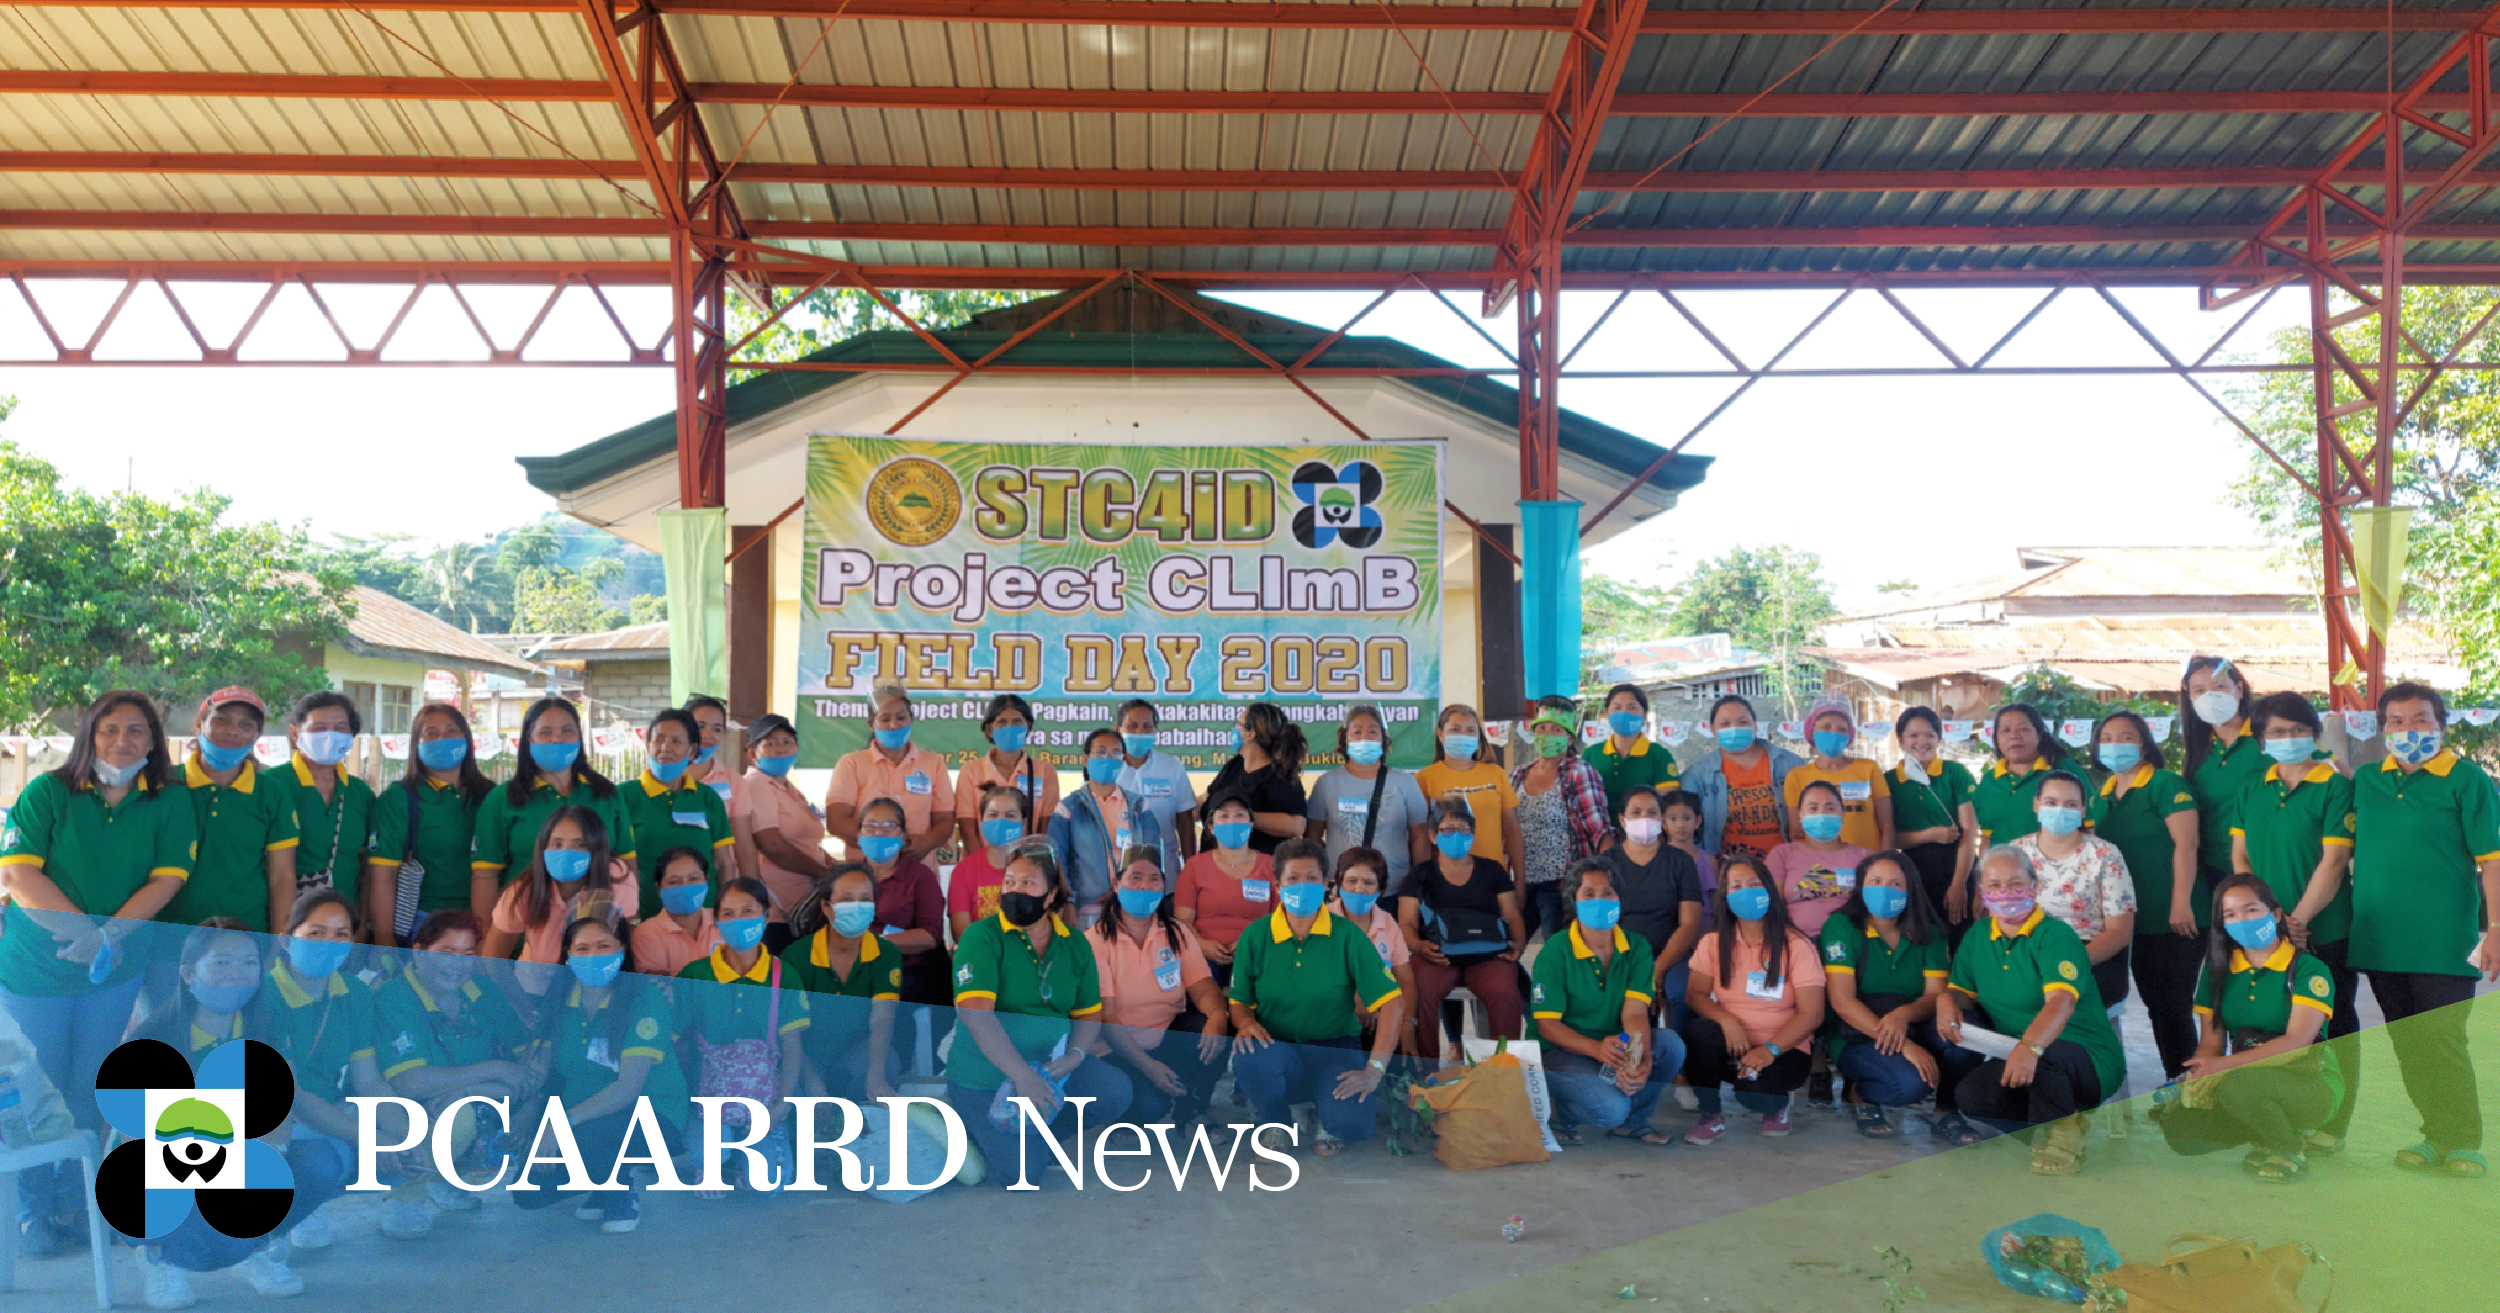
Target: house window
395,710
362,694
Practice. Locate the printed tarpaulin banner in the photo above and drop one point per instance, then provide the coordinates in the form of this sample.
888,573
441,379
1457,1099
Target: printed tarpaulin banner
1081,576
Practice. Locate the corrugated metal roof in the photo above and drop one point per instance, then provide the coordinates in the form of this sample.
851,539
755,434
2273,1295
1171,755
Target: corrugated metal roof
385,622
633,640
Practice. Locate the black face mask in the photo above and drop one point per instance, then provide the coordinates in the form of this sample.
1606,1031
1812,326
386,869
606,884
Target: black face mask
1022,909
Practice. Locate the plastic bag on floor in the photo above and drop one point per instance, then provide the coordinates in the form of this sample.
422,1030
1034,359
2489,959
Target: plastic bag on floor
2050,1256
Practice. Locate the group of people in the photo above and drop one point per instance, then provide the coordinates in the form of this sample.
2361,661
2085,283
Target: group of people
1750,918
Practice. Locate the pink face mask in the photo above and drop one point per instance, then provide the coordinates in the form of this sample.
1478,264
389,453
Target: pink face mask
2009,907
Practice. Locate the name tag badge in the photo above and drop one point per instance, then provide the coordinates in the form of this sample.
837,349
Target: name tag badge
722,789
1254,890
1847,877
1155,788
891,931
1120,839
1025,784
1167,971
1354,806
598,1053
1856,790
1755,988
691,820
916,784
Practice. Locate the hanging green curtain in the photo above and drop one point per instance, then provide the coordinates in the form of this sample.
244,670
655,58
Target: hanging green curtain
694,548
1549,596
2380,541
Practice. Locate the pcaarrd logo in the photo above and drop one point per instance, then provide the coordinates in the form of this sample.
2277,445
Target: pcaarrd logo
192,1140
1337,504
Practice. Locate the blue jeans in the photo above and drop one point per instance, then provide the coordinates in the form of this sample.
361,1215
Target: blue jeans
322,1166
846,1072
1888,1079
1671,988
599,1139
1584,1095
1011,1154
71,1036
1279,1075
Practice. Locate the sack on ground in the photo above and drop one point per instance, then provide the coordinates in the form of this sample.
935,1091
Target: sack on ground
2216,1274
1531,1057
1482,1115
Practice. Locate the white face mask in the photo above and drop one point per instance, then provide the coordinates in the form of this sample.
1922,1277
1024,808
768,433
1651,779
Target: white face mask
114,777
2215,706
1643,829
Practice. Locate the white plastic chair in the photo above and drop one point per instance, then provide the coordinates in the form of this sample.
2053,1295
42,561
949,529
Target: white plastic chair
81,1146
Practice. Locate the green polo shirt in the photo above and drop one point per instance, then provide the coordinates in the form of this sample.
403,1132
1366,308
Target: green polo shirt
2138,825
446,828
240,825
591,1046
878,974
685,815
2288,831
724,1005
2013,975
322,1026
1036,995
2418,836
2006,803
1928,804
331,832
2220,780
1647,763
99,855
1876,968
1577,990
2260,996
507,835
412,1031
1304,990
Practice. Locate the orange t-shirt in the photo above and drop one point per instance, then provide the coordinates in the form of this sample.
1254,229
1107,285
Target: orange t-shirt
1221,904
1753,811
1760,1005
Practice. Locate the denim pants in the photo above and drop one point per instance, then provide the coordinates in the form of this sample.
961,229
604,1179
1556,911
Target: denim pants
1584,1095
322,1166
1278,1075
71,1036
846,1072
1887,1079
1011,1154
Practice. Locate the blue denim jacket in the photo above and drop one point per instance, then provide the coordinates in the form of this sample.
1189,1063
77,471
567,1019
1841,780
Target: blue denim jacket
1707,776
1081,840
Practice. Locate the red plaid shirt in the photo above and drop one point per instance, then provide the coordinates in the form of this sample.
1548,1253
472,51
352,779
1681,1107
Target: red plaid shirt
1584,802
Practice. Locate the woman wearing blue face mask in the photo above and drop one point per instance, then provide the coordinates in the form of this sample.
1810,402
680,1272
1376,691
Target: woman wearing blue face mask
1160,779
1591,1003
1267,769
549,773
322,1018
788,832
1008,764
1884,966
683,930
1466,769
1464,924
1362,873
1818,872
745,1023
1367,803
1626,759
718,771
93,850
1300,986
2151,815
1865,791
1097,823
911,906
671,807
611,1035
569,878
1163,1016
2295,832
892,766
972,887
424,826
246,863
2261,1001
1756,996
1226,886
856,976
333,807
2084,883
1743,784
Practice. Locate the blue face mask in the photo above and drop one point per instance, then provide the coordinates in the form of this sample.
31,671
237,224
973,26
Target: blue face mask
1365,752
316,958
851,920
114,777
1140,903
1232,834
555,757
1232,739
442,754
684,899
1454,845
1103,770
999,831
1885,901
1736,738
892,740
2413,746
324,747
1359,904
1820,828
881,847
1598,914
2290,752
703,754
596,969
669,772
2061,820
222,759
1302,899
1137,745
1625,724
743,933
1749,904
777,766
1830,742
1010,738
1460,747
2122,756
566,865
2256,934
225,998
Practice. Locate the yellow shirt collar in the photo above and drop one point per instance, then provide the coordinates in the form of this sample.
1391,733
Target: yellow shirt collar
2319,769
652,787
760,973
2028,771
2278,960
1057,926
294,994
195,775
201,1039
303,769
468,989
1640,747
1580,947
1278,926
2439,765
1996,928
819,956
2143,773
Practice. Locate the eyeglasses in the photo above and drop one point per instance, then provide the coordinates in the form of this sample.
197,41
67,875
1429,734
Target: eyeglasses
880,827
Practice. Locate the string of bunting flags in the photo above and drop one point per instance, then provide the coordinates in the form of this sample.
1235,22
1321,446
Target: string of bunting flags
273,749
2074,733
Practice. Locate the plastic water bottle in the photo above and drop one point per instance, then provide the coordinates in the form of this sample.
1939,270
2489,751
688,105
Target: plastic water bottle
15,1132
1003,1114
103,964
2050,1285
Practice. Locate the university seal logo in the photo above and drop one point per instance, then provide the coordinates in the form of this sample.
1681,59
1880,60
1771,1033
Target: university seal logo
914,502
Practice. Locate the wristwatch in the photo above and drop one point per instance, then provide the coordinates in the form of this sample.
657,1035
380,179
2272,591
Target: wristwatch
2036,1050
1379,1064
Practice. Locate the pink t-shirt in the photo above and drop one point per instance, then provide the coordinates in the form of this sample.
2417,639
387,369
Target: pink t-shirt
663,948
541,942
1221,903
776,804
1815,883
1145,985
1383,928
972,888
1763,1007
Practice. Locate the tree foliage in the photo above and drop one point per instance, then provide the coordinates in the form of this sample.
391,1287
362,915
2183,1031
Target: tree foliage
554,600
1771,599
120,590
833,314
1617,613
2447,467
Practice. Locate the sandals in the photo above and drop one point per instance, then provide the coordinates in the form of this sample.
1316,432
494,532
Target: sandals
1871,1122
2278,1169
1327,1146
2322,1144
1644,1133
1563,1134
2056,1160
2466,1164
2419,1157
1951,1129
2255,1159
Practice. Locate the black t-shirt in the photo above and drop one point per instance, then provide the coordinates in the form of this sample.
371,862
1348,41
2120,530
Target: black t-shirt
1482,892
1651,891
1268,789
